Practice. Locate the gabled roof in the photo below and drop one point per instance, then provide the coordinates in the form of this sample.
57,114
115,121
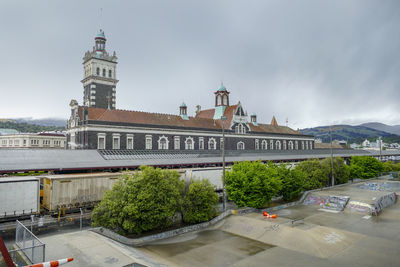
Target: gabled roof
139,117
204,120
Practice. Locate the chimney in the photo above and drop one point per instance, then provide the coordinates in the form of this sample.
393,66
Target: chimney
198,109
253,119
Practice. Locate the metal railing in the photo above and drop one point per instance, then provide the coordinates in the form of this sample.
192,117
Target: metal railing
28,244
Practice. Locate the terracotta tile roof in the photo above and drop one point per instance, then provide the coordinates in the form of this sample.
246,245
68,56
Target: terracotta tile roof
268,128
327,145
206,114
139,117
202,120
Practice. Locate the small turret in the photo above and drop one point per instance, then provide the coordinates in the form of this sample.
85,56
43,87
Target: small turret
253,119
183,111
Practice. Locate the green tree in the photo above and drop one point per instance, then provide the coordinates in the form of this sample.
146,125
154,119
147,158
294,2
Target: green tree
141,202
316,175
292,182
199,202
340,170
390,166
365,167
252,184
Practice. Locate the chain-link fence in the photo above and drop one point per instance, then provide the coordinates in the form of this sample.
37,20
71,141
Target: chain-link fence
28,244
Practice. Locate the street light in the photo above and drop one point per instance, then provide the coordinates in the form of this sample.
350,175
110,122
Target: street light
223,119
380,148
333,177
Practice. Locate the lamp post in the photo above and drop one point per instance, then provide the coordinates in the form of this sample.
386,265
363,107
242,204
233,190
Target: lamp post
223,119
333,177
380,148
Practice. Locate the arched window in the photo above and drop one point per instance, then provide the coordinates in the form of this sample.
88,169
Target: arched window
163,143
290,145
264,145
98,71
257,144
240,145
296,145
212,144
104,72
109,73
302,145
225,100
219,100
271,145
189,143
278,145
284,145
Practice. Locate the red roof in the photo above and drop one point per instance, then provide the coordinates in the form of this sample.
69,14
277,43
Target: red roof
203,120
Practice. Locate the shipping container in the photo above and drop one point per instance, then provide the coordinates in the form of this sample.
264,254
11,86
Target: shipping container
19,196
75,190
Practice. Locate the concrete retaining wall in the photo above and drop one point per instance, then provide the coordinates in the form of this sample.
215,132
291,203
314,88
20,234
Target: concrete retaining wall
146,239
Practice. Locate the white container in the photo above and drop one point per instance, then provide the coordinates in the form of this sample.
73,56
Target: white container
19,196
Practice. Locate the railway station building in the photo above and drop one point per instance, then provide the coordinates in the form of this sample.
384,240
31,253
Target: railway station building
97,124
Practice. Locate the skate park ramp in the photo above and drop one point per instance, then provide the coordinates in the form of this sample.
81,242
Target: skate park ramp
301,235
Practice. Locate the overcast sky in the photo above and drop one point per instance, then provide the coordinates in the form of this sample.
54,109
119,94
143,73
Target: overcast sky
313,62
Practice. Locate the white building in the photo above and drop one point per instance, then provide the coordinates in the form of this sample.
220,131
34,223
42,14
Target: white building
366,143
33,140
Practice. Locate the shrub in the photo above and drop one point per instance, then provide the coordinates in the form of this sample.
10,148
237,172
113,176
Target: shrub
252,184
141,202
199,202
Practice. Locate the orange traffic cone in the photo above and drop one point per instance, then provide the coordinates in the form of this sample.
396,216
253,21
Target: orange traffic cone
273,216
52,263
265,213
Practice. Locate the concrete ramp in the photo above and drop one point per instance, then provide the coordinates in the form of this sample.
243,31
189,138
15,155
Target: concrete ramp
373,206
318,241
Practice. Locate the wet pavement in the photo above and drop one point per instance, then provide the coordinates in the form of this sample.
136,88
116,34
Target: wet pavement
302,235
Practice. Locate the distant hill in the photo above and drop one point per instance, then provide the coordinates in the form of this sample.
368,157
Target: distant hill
352,134
395,129
24,127
42,122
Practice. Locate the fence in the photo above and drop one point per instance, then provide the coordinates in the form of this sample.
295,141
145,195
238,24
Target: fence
28,244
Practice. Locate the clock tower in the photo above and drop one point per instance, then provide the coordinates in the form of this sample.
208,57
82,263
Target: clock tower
99,75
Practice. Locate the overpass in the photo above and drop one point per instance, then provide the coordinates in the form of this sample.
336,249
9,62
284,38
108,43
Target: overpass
68,161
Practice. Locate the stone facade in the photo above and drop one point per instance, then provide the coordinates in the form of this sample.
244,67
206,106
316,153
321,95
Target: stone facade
98,125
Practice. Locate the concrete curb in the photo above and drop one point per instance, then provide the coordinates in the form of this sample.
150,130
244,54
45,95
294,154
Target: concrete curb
147,239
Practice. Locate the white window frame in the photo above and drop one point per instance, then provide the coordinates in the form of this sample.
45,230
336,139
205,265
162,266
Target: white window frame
212,144
302,145
166,143
187,147
311,145
257,144
148,145
238,145
101,136
296,145
306,143
278,145
201,143
264,144
291,146
116,136
177,142
284,144
271,144
129,137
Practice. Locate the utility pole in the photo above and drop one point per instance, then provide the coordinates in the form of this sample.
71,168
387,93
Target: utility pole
333,177
223,118
380,148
